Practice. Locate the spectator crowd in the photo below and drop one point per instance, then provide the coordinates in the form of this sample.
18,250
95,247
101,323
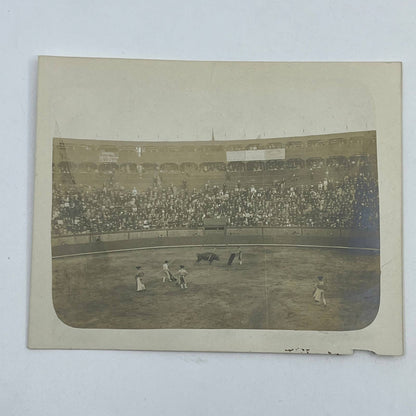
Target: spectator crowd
350,203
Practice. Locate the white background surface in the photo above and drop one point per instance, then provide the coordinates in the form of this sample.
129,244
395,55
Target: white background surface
132,383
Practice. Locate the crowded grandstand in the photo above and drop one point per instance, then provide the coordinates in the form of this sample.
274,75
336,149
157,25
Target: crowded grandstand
328,182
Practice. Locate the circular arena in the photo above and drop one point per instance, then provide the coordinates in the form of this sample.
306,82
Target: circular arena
302,212
271,289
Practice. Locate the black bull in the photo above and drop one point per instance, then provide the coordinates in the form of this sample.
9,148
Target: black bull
208,256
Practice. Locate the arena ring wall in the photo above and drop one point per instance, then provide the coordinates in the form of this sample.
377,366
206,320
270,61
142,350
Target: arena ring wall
71,245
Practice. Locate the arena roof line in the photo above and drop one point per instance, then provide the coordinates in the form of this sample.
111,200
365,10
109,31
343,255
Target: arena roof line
217,141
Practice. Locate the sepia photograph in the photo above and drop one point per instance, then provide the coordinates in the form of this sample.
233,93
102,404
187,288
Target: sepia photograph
232,206
207,208
262,233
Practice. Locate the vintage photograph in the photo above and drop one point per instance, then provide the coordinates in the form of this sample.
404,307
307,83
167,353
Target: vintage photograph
260,233
217,206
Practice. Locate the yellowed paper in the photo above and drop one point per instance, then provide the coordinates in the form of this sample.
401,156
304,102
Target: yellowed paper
293,168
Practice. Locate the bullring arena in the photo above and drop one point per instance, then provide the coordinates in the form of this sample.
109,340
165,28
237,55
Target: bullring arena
312,213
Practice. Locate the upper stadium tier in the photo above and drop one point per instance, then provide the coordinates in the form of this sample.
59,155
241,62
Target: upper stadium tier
82,155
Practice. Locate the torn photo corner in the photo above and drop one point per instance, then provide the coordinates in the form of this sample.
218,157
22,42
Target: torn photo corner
217,206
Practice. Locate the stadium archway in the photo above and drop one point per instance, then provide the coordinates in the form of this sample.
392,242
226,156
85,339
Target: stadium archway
67,166
128,167
108,167
169,167
212,166
255,166
86,167
315,162
295,163
236,166
275,164
189,167
148,167
337,161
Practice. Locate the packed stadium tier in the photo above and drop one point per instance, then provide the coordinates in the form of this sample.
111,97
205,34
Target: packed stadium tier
350,203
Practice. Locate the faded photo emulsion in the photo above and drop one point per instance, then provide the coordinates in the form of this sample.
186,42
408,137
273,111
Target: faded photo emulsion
251,234
217,206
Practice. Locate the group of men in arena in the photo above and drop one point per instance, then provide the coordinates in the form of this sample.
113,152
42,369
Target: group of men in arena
179,279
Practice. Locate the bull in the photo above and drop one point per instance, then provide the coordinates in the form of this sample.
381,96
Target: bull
208,256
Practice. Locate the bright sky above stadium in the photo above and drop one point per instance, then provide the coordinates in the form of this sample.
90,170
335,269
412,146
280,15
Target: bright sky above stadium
193,101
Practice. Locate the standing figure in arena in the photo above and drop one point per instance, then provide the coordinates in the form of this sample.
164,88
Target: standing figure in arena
182,273
233,255
139,282
166,272
319,291
231,259
240,256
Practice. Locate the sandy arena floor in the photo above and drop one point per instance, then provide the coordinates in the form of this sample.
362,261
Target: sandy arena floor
272,289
